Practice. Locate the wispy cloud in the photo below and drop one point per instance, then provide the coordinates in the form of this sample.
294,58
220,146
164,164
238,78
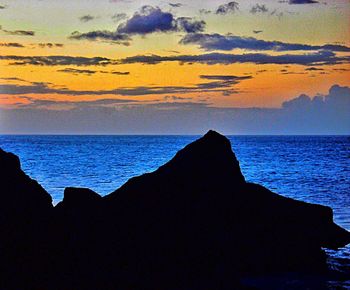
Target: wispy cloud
55,60
50,45
118,17
50,104
259,8
230,7
303,2
175,5
105,35
18,32
314,69
12,44
86,18
75,71
222,84
89,72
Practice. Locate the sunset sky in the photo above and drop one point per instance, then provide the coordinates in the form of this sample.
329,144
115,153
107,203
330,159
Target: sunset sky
131,55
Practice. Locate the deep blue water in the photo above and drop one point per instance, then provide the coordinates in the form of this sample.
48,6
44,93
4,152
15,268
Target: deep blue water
309,168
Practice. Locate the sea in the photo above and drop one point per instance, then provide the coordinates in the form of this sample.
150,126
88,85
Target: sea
314,169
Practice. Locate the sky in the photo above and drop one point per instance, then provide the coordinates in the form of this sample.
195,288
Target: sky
181,67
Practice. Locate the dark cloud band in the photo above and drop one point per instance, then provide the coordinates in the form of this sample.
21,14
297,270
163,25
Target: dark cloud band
317,58
229,42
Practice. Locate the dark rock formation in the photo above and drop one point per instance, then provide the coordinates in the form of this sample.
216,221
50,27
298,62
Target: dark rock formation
25,208
194,223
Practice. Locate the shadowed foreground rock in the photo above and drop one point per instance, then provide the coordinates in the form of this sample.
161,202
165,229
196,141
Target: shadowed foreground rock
192,224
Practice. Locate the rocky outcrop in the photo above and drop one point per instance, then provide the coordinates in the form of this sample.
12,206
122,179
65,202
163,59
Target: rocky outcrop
194,223
25,209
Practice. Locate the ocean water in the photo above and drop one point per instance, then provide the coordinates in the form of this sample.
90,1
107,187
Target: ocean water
310,168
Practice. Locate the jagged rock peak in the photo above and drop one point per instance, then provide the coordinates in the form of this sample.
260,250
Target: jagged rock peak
210,155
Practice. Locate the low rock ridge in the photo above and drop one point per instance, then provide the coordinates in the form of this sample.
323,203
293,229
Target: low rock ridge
194,223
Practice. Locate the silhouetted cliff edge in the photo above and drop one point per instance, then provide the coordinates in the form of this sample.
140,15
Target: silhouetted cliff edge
194,223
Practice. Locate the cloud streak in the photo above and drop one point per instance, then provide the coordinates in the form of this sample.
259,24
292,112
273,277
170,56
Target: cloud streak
229,42
303,2
115,37
317,58
18,32
57,60
86,18
259,8
12,44
89,72
222,84
307,59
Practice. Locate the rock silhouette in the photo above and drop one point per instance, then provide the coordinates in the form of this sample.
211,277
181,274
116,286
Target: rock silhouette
194,223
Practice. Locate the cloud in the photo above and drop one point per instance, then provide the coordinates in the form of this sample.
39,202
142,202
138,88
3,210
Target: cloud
286,72
18,32
303,2
12,44
276,13
86,18
55,60
14,79
115,37
342,70
316,58
176,98
119,73
148,20
91,72
222,84
259,8
318,115
190,25
204,11
152,19
337,98
118,17
308,59
35,103
77,71
50,45
175,5
229,42
314,69
227,8
230,78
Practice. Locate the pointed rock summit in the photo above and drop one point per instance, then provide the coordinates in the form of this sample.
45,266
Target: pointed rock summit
209,154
